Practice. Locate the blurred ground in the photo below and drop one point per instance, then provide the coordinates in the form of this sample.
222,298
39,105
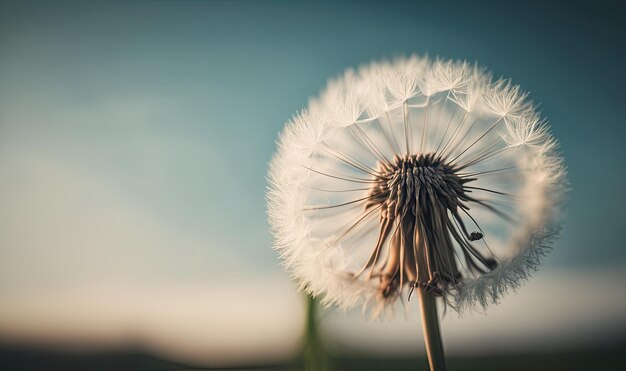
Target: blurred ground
607,358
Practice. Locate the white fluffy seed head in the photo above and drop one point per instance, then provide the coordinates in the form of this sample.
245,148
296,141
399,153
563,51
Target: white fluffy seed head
403,159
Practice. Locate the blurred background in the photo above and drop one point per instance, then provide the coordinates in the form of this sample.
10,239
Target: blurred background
134,143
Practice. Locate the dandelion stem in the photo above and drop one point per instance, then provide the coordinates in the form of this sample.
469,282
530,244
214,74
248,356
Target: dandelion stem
432,333
315,356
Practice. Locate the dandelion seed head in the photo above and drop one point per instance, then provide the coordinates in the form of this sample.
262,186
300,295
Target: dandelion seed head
415,173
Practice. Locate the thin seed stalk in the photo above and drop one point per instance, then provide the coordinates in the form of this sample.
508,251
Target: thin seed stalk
432,333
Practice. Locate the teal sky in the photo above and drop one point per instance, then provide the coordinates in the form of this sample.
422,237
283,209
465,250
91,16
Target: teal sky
174,108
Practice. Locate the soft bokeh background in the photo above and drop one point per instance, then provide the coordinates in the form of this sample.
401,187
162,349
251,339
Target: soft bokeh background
134,142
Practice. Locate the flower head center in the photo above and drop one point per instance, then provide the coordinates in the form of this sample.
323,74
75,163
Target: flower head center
420,198
415,184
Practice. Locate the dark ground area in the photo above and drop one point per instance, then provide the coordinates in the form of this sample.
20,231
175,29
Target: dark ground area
13,358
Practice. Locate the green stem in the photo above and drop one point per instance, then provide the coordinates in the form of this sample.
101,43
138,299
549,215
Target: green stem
432,333
315,357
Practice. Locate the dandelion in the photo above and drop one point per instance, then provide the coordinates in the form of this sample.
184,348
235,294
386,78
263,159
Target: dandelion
415,175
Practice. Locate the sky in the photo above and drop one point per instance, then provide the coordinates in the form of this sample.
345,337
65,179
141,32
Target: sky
135,138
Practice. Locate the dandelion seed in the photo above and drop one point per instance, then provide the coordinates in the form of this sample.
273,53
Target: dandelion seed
415,175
